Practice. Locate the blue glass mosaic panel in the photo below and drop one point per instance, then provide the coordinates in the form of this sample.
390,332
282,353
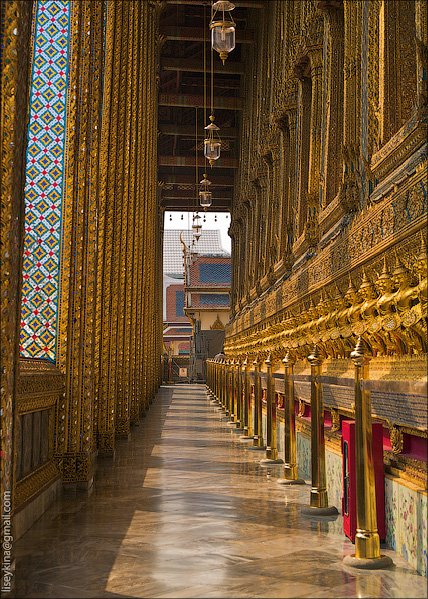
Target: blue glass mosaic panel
214,299
179,303
215,273
44,179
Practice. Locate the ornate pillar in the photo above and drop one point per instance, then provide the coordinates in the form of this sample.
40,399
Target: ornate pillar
123,253
223,386
258,442
367,542
246,421
107,238
319,499
232,393
290,449
15,61
271,445
238,378
76,346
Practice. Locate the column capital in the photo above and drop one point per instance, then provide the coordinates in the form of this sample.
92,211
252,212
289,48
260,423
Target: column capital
315,358
289,360
360,355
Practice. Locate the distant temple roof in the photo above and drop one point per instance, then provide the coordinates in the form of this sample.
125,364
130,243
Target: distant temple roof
209,243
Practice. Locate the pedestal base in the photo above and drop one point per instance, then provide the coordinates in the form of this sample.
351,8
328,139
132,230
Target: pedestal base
256,448
269,462
291,481
376,563
245,438
318,512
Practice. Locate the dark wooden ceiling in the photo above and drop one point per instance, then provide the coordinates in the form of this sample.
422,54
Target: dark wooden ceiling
181,97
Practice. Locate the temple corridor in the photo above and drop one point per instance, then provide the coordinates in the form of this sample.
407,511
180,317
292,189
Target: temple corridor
185,510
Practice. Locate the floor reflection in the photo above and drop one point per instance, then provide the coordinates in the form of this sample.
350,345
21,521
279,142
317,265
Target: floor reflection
185,510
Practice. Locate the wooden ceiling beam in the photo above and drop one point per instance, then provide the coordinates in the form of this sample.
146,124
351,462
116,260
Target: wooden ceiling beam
196,34
180,194
189,131
182,179
184,161
195,101
189,206
197,66
242,3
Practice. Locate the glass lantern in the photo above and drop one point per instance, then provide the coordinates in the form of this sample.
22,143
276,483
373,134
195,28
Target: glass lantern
212,143
205,196
222,28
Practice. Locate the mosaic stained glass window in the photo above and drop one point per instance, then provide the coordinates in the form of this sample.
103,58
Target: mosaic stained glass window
214,299
179,303
215,273
44,179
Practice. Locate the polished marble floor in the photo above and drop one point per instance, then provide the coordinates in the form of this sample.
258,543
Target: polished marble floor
185,510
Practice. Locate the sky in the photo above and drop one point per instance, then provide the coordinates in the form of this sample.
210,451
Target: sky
222,224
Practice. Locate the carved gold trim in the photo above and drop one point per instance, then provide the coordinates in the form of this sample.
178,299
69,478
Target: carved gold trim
35,483
25,405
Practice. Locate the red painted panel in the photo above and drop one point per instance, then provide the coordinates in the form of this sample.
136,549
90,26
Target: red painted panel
349,498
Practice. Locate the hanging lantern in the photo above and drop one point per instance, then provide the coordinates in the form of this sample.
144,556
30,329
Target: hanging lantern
196,227
212,143
222,28
205,196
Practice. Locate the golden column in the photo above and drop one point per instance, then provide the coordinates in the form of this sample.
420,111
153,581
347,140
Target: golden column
271,448
238,395
218,379
15,26
77,308
221,383
247,424
209,385
319,499
258,442
231,393
107,239
227,406
367,542
290,449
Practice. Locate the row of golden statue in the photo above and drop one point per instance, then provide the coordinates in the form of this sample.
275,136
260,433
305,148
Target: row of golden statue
237,389
389,314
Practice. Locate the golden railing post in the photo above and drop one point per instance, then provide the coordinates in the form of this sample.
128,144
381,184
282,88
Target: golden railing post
319,499
290,449
223,385
250,424
209,383
216,380
367,542
229,403
271,448
238,395
246,408
258,442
